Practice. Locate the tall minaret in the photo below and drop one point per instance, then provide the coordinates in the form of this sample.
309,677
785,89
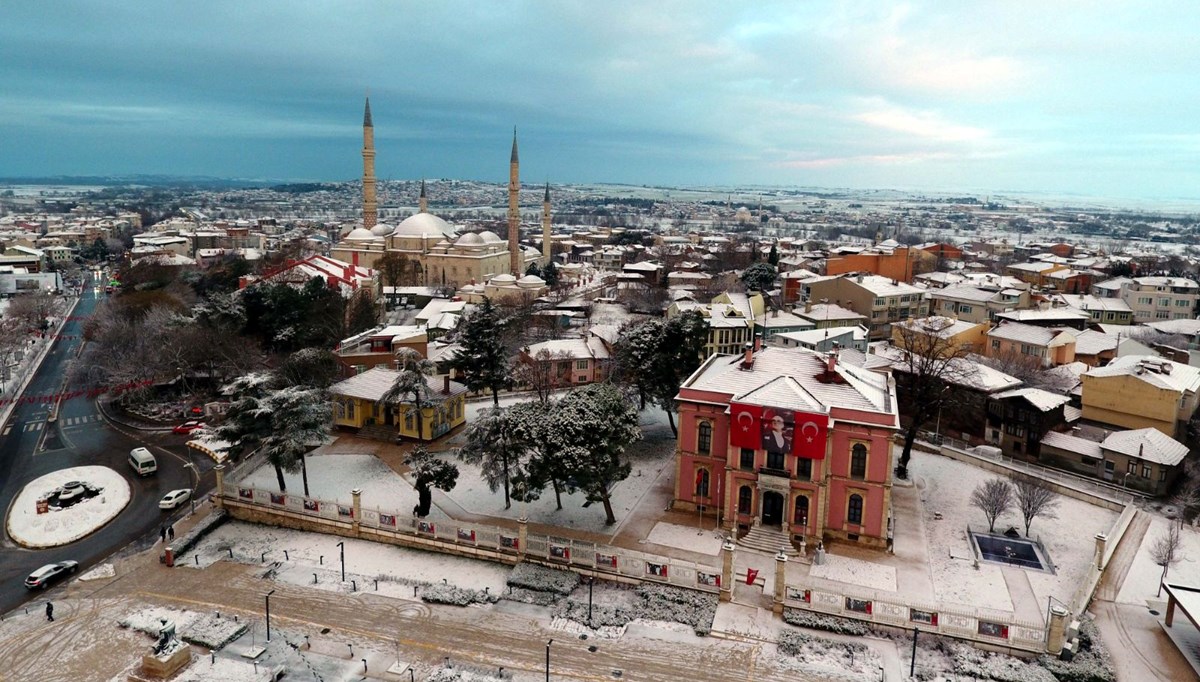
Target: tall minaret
514,211
423,202
370,208
546,252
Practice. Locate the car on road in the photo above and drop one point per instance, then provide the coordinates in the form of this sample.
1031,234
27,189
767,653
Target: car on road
188,426
41,578
70,491
174,498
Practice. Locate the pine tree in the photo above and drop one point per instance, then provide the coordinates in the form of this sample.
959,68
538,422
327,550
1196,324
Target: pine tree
533,269
493,444
773,256
429,472
482,362
598,422
362,315
550,274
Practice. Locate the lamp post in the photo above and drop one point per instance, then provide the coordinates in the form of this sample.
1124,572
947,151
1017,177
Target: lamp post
342,553
912,669
591,581
268,601
548,643
196,476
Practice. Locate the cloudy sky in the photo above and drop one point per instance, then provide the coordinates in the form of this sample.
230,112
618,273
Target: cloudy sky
1095,97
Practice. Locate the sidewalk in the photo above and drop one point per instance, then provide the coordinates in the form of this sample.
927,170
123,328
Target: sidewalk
33,361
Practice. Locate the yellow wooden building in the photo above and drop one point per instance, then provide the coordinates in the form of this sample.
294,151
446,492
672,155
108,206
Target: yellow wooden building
357,405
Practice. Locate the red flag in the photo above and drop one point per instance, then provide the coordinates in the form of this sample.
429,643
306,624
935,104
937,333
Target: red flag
744,428
812,430
751,574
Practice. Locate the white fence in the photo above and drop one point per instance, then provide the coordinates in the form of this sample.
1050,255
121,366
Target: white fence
997,628
568,553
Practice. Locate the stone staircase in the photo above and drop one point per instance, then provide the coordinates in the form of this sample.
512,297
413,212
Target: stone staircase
767,539
381,432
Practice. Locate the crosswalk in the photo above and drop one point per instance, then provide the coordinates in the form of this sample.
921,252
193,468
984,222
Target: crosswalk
70,421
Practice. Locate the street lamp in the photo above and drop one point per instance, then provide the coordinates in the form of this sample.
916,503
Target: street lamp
912,669
548,659
342,551
268,601
591,581
192,466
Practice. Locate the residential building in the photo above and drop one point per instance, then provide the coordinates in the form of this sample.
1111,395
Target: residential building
1153,298
1018,419
1095,349
564,363
378,347
1141,459
887,259
830,315
1138,391
976,303
338,275
730,319
779,322
880,299
1043,346
825,340
1102,310
958,334
1035,273
1048,317
790,439
358,405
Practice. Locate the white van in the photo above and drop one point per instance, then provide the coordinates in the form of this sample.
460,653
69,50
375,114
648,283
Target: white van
142,461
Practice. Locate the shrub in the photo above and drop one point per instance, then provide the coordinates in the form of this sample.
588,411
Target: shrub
818,621
652,602
456,596
1092,662
543,579
520,594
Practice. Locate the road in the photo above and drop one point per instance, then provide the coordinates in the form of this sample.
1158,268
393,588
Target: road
30,447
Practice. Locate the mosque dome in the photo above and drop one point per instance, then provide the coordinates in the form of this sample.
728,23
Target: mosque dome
382,229
503,280
469,239
359,234
490,237
531,282
424,225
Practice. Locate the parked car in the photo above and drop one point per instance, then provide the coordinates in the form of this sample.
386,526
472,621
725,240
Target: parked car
174,498
70,491
41,578
189,426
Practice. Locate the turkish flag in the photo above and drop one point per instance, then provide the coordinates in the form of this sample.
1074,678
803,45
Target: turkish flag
745,431
812,430
751,575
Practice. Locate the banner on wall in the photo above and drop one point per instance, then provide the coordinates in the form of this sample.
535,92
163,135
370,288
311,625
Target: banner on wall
812,431
778,430
744,428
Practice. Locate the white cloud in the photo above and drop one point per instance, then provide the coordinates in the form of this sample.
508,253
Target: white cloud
923,124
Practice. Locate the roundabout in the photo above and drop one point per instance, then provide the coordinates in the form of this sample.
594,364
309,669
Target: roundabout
64,506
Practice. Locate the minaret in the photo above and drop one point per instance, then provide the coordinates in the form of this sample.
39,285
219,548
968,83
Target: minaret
546,252
514,211
370,208
423,203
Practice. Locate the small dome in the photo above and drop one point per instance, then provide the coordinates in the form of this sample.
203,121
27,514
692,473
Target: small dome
469,239
490,237
531,282
503,280
359,234
382,230
424,225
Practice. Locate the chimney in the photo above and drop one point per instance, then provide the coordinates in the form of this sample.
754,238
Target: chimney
446,384
808,306
757,342
831,360
748,359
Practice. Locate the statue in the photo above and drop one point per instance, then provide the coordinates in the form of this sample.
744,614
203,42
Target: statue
166,638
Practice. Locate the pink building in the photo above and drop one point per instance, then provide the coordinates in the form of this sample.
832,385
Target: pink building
809,449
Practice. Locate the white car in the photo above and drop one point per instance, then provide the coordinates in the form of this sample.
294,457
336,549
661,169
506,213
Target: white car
174,498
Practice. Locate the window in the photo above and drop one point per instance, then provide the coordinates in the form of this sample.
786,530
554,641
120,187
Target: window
964,308
1161,315
747,458
1162,474
804,468
1182,303
800,517
581,364
995,344
704,438
858,461
1145,300
744,498
409,422
1145,471
774,460
702,483
854,510
1165,302
1132,467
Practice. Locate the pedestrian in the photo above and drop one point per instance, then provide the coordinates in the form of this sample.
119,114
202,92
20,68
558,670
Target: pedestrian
171,532
50,612
162,533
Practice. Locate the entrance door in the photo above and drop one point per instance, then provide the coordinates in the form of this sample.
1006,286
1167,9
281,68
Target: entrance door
772,509
1108,470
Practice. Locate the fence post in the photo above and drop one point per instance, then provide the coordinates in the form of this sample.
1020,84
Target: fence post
727,570
522,537
220,496
1058,621
1101,541
780,581
356,511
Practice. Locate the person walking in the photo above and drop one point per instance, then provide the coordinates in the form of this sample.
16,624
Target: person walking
50,612
171,532
162,534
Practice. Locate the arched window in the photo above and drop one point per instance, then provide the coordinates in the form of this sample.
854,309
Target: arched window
858,461
801,516
854,510
701,482
744,498
704,438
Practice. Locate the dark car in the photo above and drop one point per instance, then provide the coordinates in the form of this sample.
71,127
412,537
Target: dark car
41,578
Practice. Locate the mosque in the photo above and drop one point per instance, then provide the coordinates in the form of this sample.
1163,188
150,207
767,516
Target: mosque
444,257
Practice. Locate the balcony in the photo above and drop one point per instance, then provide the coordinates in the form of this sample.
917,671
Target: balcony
768,471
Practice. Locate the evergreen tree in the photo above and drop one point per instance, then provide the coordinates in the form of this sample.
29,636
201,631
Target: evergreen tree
482,362
429,472
411,382
362,315
300,419
534,430
550,274
598,422
637,351
759,277
493,444
680,352
533,269
773,256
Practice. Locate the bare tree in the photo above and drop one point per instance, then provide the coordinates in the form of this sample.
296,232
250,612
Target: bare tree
1165,551
994,498
926,362
1034,500
542,372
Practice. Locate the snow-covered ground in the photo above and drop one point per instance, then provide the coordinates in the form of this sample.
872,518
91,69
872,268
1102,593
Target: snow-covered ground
332,476
396,568
1141,582
855,571
1068,537
703,540
59,527
100,572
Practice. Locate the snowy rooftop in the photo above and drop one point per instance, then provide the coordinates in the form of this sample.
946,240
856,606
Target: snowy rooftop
1156,371
1090,342
963,292
591,347
821,312
936,325
1050,315
1027,333
1188,327
1151,445
373,383
1069,443
1043,400
1090,302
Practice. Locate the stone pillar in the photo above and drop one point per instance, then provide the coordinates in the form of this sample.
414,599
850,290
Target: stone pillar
1170,619
219,497
727,570
522,537
780,581
1101,541
356,515
730,501
1058,624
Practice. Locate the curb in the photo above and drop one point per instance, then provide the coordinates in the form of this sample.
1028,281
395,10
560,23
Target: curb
37,364
101,405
